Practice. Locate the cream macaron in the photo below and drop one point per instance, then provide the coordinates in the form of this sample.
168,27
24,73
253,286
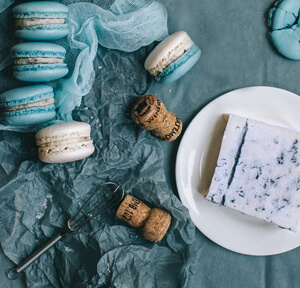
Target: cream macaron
64,142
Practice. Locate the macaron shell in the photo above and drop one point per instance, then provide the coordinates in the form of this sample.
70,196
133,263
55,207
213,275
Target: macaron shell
43,33
62,131
29,116
39,73
72,153
162,50
287,42
42,9
27,94
33,9
38,49
283,14
179,67
285,32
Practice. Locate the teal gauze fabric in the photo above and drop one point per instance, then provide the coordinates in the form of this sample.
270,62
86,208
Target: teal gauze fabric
37,199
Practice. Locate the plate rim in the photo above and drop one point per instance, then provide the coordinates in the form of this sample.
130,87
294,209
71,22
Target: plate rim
179,152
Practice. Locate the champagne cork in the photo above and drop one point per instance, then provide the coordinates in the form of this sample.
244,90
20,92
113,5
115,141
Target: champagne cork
150,113
153,223
133,211
170,128
156,225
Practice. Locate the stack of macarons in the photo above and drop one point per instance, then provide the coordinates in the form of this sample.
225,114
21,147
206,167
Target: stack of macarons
28,105
35,62
39,61
40,21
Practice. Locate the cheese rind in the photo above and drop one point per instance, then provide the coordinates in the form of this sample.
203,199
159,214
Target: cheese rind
258,172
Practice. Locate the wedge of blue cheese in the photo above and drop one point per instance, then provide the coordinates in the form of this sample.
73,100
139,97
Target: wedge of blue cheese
258,172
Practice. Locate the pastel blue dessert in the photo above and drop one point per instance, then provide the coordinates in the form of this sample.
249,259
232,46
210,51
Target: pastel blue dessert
173,57
283,21
27,105
41,21
38,61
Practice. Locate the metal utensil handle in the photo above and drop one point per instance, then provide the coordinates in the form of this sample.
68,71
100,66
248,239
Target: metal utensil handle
13,272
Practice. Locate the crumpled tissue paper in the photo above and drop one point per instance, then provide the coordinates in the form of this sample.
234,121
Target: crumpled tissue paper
37,199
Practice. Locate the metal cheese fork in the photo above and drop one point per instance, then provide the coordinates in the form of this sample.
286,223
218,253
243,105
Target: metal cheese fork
104,198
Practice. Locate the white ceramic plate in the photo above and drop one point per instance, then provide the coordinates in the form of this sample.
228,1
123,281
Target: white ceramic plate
196,159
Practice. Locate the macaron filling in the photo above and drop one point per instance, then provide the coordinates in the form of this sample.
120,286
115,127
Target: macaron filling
39,67
65,147
37,60
30,111
172,56
64,142
178,62
45,102
60,143
44,140
30,22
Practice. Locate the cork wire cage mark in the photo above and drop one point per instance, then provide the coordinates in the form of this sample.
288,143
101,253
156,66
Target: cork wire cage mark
104,198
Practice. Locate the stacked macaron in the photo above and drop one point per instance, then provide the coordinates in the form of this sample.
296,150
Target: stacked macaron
41,61
38,61
27,105
40,21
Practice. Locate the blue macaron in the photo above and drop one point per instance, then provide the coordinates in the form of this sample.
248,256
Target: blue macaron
41,20
283,21
173,57
27,105
38,61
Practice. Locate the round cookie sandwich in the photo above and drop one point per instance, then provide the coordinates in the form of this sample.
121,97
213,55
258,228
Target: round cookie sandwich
64,142
38,61
172,57
41,20
27,105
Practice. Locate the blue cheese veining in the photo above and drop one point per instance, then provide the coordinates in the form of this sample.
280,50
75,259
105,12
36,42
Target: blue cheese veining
258,172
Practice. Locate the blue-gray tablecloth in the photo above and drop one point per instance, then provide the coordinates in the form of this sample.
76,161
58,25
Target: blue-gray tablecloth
236,52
